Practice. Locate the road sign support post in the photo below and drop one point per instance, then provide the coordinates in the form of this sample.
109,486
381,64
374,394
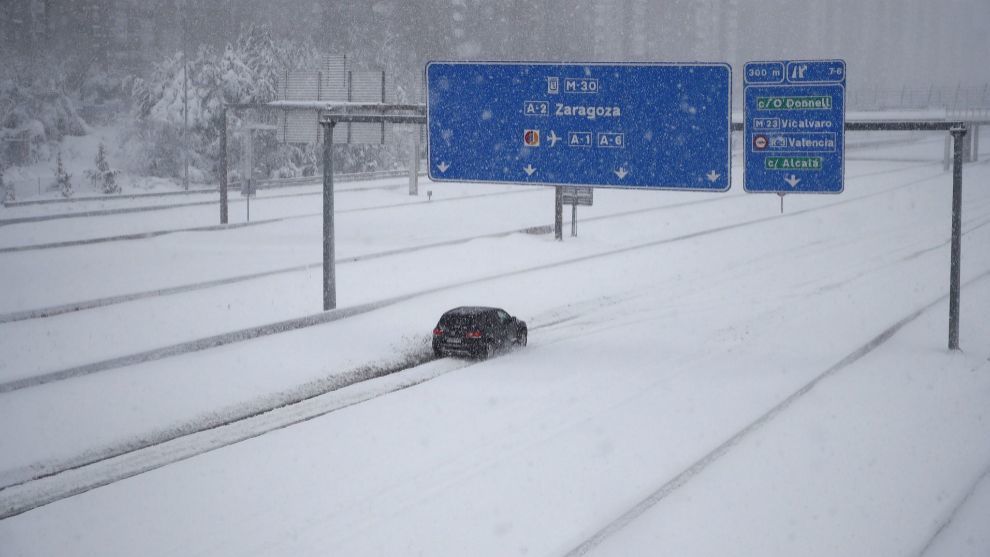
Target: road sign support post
976,142
958,135
329,264
574,220
947,154
248,171
223,166
414,165
957,131
967,148
329,114
558,214
371,113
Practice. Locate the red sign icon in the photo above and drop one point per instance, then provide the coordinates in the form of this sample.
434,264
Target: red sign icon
531,138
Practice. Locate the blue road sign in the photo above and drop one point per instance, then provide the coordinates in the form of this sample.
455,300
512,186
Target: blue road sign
651,126
795,126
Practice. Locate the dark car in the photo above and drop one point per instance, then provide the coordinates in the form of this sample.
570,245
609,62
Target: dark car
477,332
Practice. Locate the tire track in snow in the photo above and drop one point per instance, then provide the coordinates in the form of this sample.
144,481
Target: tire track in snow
274,183
721,450
954,513
147,455
215,227
168,206
125,210
249,333
54,469
50,311
185,441
182,442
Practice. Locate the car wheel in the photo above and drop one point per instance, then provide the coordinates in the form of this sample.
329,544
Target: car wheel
489,351
522,339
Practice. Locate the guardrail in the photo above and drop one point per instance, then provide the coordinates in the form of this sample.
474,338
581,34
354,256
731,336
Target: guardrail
272,183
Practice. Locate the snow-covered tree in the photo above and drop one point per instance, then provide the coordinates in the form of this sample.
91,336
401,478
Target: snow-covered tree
63,180
264,59
244,72
101,158
104,178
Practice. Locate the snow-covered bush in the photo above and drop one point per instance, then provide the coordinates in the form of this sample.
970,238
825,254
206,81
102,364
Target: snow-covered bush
104,178
63,180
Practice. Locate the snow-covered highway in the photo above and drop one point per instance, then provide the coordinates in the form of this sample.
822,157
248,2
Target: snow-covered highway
658,336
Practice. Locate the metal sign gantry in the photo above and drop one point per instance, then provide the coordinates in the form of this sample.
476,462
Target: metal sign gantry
417,114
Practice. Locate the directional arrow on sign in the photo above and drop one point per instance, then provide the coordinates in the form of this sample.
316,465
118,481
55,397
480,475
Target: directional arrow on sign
621,172
712,176
443,167
529,170
792,180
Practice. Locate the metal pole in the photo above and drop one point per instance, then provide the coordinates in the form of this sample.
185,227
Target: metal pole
329,272
414,165
976,142
957,139
968,155
185,110
223,166
383,100
350,97
558,216
947,155
574,220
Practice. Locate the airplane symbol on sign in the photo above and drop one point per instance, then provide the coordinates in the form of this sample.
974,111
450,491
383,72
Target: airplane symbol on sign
553,138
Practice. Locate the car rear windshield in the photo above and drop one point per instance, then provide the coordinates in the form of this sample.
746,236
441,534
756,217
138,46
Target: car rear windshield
460,321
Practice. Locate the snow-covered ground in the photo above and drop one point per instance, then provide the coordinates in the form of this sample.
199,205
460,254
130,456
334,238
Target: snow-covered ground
705,376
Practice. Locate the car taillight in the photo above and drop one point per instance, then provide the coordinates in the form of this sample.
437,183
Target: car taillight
437,332
473,334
